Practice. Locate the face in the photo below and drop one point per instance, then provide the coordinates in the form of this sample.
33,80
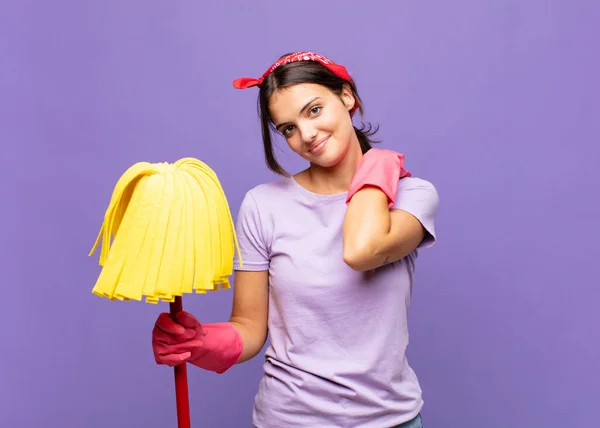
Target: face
314,121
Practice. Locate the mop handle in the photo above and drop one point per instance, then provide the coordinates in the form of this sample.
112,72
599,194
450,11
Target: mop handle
181,385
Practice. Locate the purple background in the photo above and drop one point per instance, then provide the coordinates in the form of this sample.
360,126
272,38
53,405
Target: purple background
496,102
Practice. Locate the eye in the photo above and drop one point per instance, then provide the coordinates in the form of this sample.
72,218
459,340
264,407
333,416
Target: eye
287,130
315,110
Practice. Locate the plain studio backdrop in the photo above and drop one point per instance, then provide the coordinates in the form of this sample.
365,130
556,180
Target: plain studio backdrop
495,102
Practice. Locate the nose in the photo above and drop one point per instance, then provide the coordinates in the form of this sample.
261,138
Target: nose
308,133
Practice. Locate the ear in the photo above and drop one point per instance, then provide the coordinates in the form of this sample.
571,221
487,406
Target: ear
347,97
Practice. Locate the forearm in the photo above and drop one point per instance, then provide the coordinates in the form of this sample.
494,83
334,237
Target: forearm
224,344
374,235
253,338
366,229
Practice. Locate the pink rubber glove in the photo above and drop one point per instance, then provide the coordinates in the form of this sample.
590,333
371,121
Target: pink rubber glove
379,168
215,347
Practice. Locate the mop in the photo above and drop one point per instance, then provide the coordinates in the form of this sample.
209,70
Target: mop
167,231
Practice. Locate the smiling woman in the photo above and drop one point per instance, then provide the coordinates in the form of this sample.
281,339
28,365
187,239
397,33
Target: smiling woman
328,262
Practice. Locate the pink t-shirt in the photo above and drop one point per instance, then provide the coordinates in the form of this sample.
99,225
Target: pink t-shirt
338,337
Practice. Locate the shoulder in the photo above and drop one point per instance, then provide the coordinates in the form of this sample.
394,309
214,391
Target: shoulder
268,192
418,196
270,188
417,189
408,184
265,197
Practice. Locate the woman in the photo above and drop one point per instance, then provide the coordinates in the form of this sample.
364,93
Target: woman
328,259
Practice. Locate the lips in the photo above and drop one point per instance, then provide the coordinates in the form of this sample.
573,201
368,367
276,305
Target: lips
318,146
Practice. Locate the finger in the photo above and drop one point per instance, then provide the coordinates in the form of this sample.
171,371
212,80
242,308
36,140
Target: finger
189,346
178,348
170,339
173,359
163,350
166,324
190,333
186,319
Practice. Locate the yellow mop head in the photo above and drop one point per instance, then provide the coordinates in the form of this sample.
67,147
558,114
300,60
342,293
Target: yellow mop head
171,232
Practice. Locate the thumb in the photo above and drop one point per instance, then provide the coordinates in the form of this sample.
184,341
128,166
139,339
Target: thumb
166,324
187,320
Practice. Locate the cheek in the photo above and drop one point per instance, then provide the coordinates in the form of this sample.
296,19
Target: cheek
295,143
338,121
343,131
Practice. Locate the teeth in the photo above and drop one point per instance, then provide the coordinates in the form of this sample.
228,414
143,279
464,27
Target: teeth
171,231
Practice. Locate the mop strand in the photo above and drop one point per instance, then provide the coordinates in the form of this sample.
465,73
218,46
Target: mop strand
171,232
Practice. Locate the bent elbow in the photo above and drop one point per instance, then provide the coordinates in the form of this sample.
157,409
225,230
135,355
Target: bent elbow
359,258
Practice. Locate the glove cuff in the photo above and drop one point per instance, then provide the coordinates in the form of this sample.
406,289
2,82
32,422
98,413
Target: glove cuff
381,169
222,347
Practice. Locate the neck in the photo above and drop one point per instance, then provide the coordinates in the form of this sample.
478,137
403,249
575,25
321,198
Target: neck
336,179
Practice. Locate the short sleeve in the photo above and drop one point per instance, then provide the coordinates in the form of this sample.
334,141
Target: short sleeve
419,198
250,233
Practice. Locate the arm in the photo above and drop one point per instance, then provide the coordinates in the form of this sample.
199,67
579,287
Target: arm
389,215
250,310
374,235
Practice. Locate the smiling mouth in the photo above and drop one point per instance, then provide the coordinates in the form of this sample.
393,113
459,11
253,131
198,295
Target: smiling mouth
316,147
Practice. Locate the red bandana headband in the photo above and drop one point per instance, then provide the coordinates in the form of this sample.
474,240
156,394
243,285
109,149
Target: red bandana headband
338,70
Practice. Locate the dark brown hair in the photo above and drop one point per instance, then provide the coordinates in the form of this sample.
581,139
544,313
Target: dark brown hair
293,74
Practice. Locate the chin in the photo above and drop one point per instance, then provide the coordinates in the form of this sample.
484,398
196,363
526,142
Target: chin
325,164
328,160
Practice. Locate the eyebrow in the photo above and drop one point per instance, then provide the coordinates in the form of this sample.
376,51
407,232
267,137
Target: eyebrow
301,110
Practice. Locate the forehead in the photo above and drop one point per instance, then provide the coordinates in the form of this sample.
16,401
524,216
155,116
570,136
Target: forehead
290,100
